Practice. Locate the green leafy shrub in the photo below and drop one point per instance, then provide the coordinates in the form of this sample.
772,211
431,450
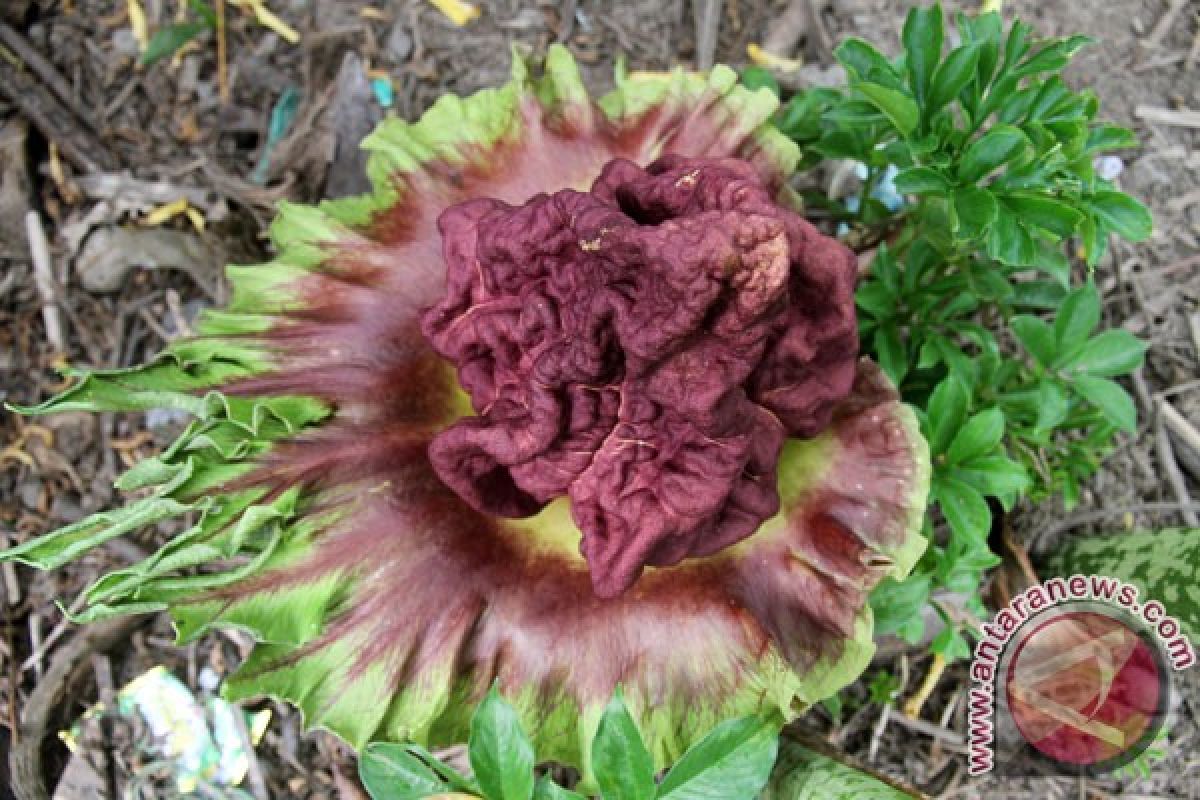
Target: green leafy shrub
733,760
972,303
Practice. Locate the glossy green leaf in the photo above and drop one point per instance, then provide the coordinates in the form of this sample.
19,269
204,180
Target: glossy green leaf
1000,145
1054,56
760,78
1115,352
1017,43
1008,240
734,760
389,772
921,180
896,105
952,76
946,412
950,645
1037,337
922,37
1121,214
547,789
993,475
1108,396
1052,406
890,351
896,604
976,211
166,41
979,436
624,769
963,506
802,774
863,62
500,752
1079,316
1046,213
1109,137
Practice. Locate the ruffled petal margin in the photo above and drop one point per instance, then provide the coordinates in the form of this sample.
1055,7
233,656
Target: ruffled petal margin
383,606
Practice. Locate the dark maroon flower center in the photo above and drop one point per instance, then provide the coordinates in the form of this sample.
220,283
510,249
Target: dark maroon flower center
644,349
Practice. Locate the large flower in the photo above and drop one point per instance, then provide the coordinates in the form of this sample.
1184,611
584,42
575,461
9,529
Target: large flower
554,445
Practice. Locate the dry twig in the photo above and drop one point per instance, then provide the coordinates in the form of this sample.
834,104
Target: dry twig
1184,118
39,251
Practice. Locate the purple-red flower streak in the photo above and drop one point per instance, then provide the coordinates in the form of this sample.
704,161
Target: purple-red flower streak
643,348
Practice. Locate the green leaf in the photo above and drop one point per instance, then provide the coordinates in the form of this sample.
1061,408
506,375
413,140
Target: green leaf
547,789
800,119
1035,336
978,437
1115,352
946,411
921,180
1121,214
1164,565
1046,213
922,37
863,62
1038,294
1108,396
1017,43
760,78
952,76
895,604
500,753
874,298
964,507
976,210
1052,406
1093,239
624,769
802,774
204,11
1053,57
993,475
897,106
389,772
1051,259
1109,137
1008,240
166,41
891,353
999,146
950,645
856,113
734,760
1079,316
884,267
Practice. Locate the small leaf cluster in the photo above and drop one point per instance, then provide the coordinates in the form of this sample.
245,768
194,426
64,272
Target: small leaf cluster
996,157
168,40
733,760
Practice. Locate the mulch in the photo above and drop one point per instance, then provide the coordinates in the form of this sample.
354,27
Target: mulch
93,143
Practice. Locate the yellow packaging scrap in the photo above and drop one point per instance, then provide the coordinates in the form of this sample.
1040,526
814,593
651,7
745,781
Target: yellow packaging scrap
771,61
171,210
458,11
137,22
267,18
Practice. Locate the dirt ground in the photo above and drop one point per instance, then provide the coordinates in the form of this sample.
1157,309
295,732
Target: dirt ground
127,139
